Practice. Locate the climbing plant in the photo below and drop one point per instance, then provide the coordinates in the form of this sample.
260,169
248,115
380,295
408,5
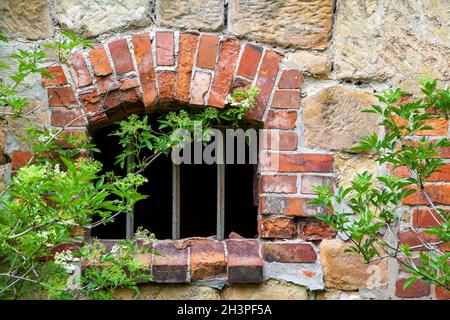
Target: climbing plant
369,211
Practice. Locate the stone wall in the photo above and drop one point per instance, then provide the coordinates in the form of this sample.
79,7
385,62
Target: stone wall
338,53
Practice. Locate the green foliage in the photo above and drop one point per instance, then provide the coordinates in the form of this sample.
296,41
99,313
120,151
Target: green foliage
374,203
136,135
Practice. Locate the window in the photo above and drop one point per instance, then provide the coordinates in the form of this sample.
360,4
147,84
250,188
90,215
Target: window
186,200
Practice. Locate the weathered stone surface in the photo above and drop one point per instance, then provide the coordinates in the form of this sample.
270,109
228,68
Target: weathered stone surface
347,271
336,112
270,290
392,39
169,292
303,24
346,167
309,275
204,15
312,64
26,19
92,18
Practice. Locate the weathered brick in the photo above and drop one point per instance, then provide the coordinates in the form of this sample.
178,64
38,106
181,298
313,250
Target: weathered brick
439,126
20,158
279,184
144,61
61,97
286,99
228,55
280,140
296,162
207,51
90,99
442,176
99,61
281,120
166,84
290,79
64,116
416,290
59,78
439,194
310,181
199,87
121,56
277,228
164,43
107,83
288,252
249,62
171,265
411,239
79,71
316,230
289,206
244,263
441,293
187,48
265,81
207,260
423,218
130,95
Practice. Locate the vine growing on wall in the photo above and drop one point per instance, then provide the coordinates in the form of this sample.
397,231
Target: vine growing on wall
367,212
47,207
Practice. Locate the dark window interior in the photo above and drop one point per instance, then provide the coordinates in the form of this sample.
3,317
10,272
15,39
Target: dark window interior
198,196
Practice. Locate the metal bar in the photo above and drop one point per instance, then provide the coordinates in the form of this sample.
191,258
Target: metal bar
130,216
220,201
175,201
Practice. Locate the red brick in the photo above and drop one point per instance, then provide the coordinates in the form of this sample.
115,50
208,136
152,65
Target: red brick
20,158
200,87
279,184
99,61
286,100
130,95
289,206
423,218
442,176
188,46
244,263
64,116
79,71
265,81
309,181
439,194
107,83
121,56
91,102
143,54
280,140
207,51
281,120
166,84
207,260
249,62
316,230
277,228
290,79
228,55
128,83
61,97
443,152
289,252
411,239
439,128
171,264
416,290
164,48
441,293
59,78
112,100
298,162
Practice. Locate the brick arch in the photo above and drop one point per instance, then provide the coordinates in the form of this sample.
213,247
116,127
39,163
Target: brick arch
143,72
